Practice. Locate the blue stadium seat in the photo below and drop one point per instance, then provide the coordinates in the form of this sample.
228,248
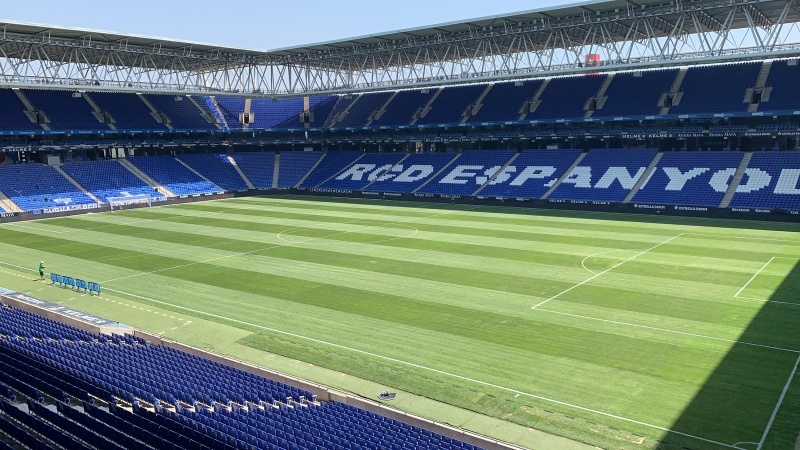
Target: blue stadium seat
605,175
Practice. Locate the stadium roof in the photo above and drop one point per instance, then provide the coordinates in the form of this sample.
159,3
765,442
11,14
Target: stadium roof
620,34
770,10
767,12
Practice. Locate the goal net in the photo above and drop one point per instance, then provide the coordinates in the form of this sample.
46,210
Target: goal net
140,199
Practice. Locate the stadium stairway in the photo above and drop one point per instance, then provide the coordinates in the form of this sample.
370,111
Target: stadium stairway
241,174
382,110
343,114
396,165
596,103
214,106
643,179
276,171
31,110
427,108
154,112
206,115
98,112
7,204
476,107
77,185
438,172
493,177
761,87
142,176
536,100
674,92
735,180
564,175
194,171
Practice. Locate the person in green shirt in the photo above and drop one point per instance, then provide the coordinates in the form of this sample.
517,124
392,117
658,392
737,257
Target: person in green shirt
41,269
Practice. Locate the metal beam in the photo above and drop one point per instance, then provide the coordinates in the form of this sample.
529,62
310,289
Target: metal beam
632,36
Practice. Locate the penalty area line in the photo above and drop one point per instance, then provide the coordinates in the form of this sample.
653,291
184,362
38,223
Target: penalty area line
429,369
778,406
605,271
753,277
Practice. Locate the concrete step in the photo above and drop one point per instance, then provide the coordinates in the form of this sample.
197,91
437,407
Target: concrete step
77,185
143,176
241,174
737,178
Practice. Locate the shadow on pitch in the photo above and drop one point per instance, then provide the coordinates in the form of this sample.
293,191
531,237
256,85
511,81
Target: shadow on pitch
744,390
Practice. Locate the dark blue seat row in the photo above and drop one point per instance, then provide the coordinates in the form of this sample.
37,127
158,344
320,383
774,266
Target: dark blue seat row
205,399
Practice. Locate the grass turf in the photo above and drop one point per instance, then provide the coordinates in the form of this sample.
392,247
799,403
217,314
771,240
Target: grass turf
639,340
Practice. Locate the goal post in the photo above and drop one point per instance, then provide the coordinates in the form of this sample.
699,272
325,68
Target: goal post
119,202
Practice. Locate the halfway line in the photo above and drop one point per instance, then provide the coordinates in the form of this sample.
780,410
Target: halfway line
605,271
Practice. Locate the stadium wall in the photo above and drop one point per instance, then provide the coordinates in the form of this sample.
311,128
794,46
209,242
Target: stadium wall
64,212
575,205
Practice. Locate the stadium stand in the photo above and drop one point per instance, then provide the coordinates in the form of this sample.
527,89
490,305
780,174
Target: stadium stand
783,81
636,93
690,178
217,168
64,111
531,174
367,169
342,103
108,179
770,181
730,83
566,97
450,104
12,114
468,173
319,107
37,186
192,402
128,111
173,175
604,175
182,113
504,101
363,109
403,106
258,167
332,163
269,113
294,166
411,173
231,107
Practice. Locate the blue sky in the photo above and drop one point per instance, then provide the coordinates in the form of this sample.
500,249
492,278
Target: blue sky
259,24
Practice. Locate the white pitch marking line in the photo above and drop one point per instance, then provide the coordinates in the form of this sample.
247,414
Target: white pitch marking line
583,262
669,331
605,271
742,237
106,224
234,255
741,297
754,277
441,372
778,406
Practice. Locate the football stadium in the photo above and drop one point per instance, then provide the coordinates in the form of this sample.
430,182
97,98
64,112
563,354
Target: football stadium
567,228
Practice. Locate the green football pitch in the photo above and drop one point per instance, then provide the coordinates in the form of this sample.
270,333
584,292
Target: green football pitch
619,331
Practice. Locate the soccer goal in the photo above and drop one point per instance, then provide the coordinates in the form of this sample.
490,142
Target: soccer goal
119,202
